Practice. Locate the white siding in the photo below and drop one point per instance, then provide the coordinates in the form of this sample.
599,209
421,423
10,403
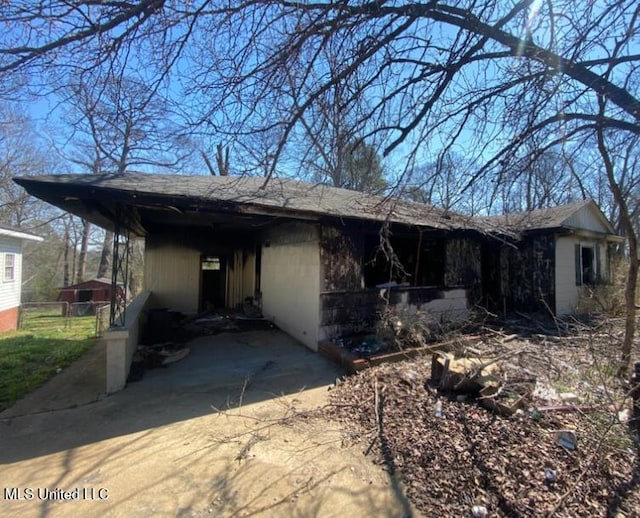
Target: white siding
587,218
172,274
10,290
567,292
290,281
566,289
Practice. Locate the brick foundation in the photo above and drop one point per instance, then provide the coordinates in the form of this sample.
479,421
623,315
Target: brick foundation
8,320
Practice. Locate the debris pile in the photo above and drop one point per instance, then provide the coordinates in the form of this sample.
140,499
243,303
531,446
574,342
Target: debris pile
166,324
167,331
497,431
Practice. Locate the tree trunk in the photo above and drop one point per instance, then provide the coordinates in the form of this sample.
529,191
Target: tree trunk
66,271
104,268
82,257
630,303
632,272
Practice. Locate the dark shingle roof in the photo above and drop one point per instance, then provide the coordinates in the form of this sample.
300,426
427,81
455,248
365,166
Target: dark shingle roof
544,219
280,197
285,196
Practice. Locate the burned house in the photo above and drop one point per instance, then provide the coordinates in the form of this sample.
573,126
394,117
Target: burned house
549,259
318,260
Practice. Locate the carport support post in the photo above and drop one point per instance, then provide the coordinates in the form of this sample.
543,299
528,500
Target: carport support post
115,341
121,344
119,275
119,337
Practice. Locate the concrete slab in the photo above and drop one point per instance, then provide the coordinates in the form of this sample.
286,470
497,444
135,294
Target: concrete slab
220,372
225,432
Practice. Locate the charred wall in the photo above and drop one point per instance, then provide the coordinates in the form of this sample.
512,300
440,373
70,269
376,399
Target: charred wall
341,256
354,312
349,305
463,265
527,274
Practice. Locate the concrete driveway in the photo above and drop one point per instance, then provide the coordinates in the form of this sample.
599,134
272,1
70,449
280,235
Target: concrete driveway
225,432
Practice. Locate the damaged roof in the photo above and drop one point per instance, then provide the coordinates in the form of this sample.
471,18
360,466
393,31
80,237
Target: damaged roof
148,197
143,202
579,215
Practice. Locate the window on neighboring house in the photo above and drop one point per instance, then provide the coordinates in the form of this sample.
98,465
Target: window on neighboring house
9,267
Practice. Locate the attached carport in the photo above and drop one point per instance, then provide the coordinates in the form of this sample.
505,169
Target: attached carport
203,248
296,250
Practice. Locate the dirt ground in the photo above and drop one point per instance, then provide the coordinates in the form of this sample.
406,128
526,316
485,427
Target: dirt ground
567,447
253,424
226,432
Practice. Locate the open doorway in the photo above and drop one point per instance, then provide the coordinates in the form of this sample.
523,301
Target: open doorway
213,282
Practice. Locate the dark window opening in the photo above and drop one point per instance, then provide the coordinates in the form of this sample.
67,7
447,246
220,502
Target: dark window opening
587,265
588,274
210,263
415,261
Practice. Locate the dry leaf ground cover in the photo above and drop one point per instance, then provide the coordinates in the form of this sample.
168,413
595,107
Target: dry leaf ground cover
512,466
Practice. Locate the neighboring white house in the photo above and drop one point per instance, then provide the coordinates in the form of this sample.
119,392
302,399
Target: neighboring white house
11,241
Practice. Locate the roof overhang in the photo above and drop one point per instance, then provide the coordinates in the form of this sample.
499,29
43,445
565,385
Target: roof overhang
20,235
557,231
589,234
146,203
144,213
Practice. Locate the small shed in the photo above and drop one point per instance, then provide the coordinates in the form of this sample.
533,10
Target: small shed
83,297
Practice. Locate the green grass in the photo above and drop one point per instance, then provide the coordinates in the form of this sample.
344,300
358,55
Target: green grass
44,344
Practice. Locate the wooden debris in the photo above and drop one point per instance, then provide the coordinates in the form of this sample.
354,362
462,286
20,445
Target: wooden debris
353,363
511,465
468,375
569,408
489,398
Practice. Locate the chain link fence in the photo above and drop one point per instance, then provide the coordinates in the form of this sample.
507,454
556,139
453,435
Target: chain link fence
67,315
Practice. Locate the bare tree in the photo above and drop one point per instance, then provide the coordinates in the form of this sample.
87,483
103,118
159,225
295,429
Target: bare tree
504,81
444,183
536,180
222,160
331,146
22,153
117,126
